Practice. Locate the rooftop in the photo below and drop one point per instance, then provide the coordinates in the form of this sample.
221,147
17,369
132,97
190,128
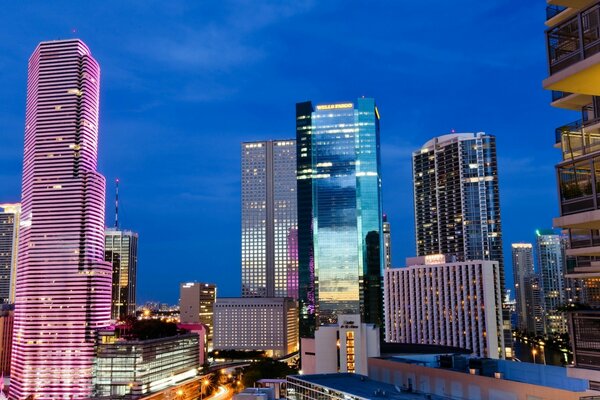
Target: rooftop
454,136
363,387
533,374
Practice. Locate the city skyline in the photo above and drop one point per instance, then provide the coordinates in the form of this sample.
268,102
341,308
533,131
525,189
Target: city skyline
195,184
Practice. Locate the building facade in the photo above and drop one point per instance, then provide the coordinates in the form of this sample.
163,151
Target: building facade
63,293
522,263
342,347
549,249
121,252
457,203
346,386
573,62
452,304
9,239
263,324
7,319
457,198
269,219
134,369
196,306
458,377
387,242
535,305
340,229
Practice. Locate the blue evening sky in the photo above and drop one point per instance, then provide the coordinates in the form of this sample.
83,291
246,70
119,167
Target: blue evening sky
183,83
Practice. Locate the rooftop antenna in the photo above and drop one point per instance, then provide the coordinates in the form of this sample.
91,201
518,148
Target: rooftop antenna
117,203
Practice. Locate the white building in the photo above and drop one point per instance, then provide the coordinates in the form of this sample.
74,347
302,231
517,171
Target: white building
343,347
263,324
452,304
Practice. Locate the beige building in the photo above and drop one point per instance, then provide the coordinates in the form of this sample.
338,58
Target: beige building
343,347
573,58
196,306
261,323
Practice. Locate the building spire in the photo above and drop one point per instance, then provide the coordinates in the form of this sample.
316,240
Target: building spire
117,203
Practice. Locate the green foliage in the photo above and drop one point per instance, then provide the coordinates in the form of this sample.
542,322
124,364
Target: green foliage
266,369
153,329
237,354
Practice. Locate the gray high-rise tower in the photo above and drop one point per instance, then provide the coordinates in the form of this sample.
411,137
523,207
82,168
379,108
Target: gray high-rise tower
522,263
387,243
457,202
269,219
9,234
549,249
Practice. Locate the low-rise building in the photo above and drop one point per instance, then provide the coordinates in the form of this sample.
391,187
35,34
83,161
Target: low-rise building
347,386
432,301
134,369
466,377
7,319
341,347
262,393
196,306
263,324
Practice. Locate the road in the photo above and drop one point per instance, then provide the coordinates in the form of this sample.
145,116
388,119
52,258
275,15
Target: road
223,393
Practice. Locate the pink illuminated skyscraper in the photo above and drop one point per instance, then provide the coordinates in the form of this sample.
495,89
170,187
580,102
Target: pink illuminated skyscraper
63,289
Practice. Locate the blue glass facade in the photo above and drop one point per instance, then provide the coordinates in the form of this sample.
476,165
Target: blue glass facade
341,260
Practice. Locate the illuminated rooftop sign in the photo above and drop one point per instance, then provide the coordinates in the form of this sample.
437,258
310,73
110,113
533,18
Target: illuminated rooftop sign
335,106
434,259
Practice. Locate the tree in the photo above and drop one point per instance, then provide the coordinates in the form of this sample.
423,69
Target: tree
153,329
266,369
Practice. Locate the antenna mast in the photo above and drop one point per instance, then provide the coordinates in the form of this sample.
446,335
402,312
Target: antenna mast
117,203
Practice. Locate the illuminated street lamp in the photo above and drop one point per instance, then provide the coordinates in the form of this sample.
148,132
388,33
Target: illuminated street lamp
534,352
204,382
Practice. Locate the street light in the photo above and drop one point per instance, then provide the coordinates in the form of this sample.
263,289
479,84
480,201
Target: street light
204,382
534,352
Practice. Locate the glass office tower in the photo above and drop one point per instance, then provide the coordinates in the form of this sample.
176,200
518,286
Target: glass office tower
120,249
339,212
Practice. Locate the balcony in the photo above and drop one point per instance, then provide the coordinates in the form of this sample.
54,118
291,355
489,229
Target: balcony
579,4
557,14
579,192
581,137
582,266
553,10
569,101
574,53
